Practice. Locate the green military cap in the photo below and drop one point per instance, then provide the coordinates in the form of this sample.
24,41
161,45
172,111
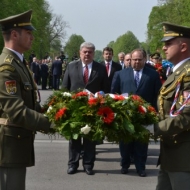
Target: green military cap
173,31
155,55
17,21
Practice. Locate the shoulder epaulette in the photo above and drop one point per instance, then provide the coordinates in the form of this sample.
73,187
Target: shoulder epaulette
8,59
187,68
6,67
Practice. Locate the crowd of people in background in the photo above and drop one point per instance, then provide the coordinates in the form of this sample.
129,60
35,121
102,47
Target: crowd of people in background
49,73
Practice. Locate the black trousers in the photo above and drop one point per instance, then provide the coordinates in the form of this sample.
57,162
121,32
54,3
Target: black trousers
12,178
75,147
139,151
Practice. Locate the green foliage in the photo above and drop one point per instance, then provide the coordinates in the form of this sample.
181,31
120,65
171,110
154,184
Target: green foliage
41,20
174,11
111,44
125,43
73,45
98,56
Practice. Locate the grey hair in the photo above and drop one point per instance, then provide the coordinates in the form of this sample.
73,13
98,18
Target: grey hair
87,45
121,53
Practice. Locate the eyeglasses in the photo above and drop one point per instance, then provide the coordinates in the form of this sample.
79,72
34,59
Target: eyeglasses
127,59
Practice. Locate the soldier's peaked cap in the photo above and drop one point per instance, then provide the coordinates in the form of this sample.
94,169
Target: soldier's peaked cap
22,20
173,31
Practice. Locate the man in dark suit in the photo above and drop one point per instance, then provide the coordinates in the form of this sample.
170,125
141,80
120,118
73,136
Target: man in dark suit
110,65
127,60
121,57
44,73
56,72
142,81
174,109
84,74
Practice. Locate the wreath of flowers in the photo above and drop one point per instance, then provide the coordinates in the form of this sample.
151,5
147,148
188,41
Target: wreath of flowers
116,117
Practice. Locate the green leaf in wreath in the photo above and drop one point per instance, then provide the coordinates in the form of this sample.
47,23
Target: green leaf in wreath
129,126
75,136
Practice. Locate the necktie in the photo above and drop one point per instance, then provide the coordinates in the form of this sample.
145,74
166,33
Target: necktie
137,79
85,74
122,65
107,67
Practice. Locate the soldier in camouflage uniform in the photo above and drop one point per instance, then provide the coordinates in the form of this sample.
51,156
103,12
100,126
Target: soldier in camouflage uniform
18,119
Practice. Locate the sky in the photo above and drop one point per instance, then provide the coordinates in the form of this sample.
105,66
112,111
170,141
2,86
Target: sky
103,21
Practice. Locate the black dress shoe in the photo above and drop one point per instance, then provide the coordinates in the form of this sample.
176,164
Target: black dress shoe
142,173
89,171
124,170
71,170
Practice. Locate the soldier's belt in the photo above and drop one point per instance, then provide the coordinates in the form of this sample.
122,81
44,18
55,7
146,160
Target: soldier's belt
4,121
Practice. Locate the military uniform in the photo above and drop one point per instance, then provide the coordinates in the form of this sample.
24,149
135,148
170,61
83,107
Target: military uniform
174,128
18,119
174,132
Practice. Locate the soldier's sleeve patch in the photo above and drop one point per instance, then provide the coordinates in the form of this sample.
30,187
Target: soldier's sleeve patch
11,87
7,67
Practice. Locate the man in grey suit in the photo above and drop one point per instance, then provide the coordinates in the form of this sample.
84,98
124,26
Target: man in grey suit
145,82
84,74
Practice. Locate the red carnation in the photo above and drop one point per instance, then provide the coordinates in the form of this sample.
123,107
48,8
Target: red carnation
142,109
118,97
151,109
92,101
107,114
80,94
60,113
137,98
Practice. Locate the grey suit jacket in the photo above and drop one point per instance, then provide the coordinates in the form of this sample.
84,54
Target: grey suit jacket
73,77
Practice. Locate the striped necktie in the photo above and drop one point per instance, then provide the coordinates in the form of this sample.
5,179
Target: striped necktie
85,77
137,78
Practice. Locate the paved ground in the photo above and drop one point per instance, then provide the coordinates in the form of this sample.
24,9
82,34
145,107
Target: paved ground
50,171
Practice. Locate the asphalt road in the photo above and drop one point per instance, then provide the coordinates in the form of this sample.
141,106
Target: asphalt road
50,170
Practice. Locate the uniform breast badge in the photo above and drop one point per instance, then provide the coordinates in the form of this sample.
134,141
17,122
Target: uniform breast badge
11,87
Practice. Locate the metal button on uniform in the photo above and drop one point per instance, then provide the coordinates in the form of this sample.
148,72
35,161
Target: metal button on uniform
175,142
18,136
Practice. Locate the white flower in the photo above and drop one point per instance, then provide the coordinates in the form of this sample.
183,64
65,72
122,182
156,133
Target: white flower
49,109
144,109
85,130
66,94
112,95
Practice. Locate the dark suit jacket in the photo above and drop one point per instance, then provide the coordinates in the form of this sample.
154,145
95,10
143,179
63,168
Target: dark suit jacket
33,67
44,70
73,77
115,67
57,68
124,82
